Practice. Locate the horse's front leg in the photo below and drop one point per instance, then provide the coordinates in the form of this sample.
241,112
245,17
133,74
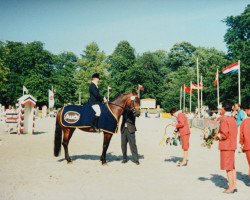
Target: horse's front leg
106,140
67,134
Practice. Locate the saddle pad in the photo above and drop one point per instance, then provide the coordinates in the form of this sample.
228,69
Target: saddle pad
82,116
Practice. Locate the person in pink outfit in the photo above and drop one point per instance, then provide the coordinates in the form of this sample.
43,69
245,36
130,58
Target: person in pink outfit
245,137
227,136
182,127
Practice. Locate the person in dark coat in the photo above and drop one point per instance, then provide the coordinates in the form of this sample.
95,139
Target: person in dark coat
95,99
128,130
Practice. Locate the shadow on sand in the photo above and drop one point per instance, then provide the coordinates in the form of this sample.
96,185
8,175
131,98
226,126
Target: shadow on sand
173,159
221,181
218,180
39,133
244,178
110,157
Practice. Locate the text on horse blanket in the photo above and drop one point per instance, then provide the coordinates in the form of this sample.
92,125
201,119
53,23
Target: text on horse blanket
82,116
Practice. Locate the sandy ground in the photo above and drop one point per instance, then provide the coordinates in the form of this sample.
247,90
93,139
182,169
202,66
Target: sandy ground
28,169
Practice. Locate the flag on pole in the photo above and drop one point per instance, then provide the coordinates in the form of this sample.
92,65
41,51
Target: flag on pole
141,87
188,89
197,87
231,68
25,90
181,98
235,67
51,99
216,81
201,83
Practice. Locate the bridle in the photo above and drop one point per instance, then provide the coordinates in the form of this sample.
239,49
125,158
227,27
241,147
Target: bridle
131,107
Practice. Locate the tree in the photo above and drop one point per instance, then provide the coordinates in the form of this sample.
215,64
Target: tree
92,61
209,60
121,61
30,65
149,72
4,71
180,55
64,79
237,39
174,81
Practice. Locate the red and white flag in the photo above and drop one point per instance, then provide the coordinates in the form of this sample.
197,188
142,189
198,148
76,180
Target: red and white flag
51,99
188,89
196,87
216,81
141,87
231,68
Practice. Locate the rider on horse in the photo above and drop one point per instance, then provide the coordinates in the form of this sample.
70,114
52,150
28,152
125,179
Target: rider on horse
95,99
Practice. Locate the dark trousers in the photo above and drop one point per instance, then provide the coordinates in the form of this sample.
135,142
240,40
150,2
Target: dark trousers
127,137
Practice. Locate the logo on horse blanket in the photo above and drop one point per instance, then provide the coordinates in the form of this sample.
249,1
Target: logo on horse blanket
71,117
76,116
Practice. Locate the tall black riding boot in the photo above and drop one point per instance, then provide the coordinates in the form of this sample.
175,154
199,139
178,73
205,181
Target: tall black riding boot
95,123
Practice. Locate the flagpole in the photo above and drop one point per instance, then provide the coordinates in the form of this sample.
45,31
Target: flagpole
139,91
218,89
201,84
80,98
184,99
180,97
108,93
197,69
239,82
190,100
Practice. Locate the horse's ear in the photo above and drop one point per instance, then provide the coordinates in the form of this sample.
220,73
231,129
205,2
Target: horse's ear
134,92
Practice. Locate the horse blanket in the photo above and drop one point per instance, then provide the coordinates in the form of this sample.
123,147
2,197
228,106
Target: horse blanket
82,116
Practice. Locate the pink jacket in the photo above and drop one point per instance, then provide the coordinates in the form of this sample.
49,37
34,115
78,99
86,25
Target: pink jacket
182,124
245,134
228,131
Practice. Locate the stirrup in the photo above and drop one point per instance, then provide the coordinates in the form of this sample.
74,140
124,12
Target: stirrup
96,130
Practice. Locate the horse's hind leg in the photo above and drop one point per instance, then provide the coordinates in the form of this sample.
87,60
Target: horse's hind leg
106,141
66,137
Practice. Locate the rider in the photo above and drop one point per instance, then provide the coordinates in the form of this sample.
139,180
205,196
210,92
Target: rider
95,99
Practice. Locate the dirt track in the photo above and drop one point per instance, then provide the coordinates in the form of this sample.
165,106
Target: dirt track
29,170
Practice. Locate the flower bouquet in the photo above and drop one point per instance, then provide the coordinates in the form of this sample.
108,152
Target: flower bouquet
208,137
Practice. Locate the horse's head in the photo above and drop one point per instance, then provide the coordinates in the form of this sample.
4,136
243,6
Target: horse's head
133,103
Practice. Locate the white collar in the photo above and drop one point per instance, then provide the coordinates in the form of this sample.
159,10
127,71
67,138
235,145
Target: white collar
228,114
178,112
95,84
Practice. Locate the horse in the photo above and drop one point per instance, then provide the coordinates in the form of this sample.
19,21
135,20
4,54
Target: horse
128,100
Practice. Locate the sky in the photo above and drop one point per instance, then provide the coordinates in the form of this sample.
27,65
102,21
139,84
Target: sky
148,25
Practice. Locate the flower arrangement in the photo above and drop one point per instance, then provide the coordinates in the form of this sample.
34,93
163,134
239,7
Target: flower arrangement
208,137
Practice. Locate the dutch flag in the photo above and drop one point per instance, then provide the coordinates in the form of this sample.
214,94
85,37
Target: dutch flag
231,68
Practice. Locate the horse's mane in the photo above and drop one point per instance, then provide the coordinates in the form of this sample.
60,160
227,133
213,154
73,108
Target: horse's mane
118,96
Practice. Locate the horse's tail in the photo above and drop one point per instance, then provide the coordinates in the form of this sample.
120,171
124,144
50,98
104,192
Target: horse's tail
58,137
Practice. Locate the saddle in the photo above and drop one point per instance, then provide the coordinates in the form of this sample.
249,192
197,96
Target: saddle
82,116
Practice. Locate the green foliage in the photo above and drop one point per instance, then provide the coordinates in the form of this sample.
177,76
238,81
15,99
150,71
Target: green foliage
180,55
121,62
209,60
92,61
64,79
174,81
161,73
30,65
237,39
149,72
4,71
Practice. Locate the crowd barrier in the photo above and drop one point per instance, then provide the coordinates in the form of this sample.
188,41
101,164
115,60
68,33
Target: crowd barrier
204,123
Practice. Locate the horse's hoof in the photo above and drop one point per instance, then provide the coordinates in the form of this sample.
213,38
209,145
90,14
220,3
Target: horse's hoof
69,162
102,159
104,162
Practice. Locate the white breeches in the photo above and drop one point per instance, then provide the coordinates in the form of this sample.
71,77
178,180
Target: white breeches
97,110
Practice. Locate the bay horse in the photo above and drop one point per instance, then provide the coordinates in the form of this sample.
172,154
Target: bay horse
117,106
